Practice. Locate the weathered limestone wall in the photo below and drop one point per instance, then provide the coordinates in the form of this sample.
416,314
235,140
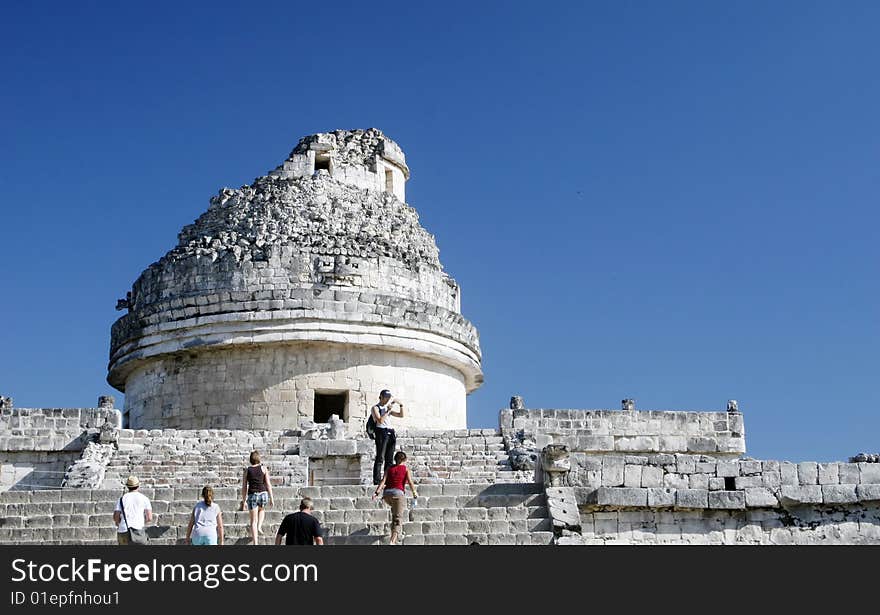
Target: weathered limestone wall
720,434
697,499
274,387
42,428
848,524
28,470
691,481
38,444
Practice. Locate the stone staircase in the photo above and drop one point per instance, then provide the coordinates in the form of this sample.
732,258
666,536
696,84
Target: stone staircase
457,514
461,456
193,458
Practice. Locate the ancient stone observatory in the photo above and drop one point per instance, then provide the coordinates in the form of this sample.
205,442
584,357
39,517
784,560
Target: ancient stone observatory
296,297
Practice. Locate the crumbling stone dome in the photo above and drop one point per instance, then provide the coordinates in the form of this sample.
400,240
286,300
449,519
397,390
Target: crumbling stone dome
299,295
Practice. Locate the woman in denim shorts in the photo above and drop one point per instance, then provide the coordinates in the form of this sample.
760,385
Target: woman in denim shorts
256,491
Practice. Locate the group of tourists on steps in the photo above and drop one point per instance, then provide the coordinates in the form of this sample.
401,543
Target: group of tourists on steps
390,475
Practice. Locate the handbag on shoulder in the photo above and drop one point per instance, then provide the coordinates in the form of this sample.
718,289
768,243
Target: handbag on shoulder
135,536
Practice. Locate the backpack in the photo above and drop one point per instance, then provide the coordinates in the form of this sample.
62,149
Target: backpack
371,426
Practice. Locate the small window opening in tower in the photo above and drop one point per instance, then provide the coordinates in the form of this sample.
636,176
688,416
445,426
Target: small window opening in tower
729,483
322,161
328,403
389,180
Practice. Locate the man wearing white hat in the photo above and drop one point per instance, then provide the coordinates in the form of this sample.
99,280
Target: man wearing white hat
133,512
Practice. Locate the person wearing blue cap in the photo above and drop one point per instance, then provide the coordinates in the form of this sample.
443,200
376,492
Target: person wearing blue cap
386,440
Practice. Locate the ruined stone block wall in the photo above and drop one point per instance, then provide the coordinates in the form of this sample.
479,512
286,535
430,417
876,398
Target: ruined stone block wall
699,481
698,499
846,524
274,277
32,469
274,387
611,431
41,428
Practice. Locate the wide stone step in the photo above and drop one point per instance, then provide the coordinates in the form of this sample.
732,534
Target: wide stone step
433,508
443,514
530,538
342,522
327,491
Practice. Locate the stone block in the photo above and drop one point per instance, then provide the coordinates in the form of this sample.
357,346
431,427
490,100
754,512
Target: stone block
431,514
632,476
808,473
631,444
691,498
869,473
727,469
702,444
727,500
772,479
621,496
839,494
334,516
341,503
672,444
749,468
676,481
705,467
698,481
313,448
338,447
868,493
716,484
800,494
564,514
467,514
612,473
686,464
848,473
455,490
788,473
595,443
743,482
829,473
661,497
496,513
760,497
652,476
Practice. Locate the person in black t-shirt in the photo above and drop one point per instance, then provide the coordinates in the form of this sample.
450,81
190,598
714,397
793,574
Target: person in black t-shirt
300,528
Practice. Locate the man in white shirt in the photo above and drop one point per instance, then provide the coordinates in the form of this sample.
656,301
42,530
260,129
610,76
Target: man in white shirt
138,511
386,439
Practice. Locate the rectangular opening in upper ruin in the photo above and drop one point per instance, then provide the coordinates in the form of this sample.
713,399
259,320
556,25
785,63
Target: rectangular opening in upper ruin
729,483
322,161
389,180
328,403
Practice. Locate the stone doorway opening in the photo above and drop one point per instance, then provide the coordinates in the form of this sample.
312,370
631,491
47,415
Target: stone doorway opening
322,161
389,180
328,403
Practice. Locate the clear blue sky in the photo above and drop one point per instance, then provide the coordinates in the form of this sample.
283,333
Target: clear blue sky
674,202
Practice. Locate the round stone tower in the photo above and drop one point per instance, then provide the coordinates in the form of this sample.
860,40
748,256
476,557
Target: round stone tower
296,297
